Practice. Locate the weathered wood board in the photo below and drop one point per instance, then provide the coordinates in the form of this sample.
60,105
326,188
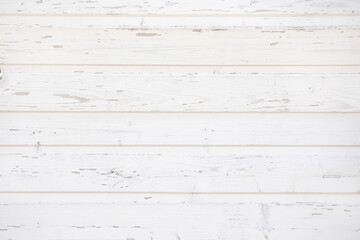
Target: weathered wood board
159,129
179,46
181,169
158,217
181,7
103,91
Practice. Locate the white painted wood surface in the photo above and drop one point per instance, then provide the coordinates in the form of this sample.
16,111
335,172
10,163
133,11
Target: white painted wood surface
182,169
179,119
319,220
180,7
179,70
196,22
159,129
162,47
102,91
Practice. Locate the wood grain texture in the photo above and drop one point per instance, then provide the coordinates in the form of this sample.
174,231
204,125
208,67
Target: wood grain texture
198,23
241,220
176,70
206,129
179,119
121,198
177,47
180,7
195,170
206,93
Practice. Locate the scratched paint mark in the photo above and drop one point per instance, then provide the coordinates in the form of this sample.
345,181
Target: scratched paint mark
274,43
21,93
80,99
15,226
331,176
47,36
265,209
115,7
57,46
147,34
197,30
286,100
13,130
87,169
79,227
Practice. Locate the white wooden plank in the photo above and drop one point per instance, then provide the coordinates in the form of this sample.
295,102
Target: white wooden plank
180,7
93,220
179,47
182,70
192,170
240,93
112,198
276,22
205,129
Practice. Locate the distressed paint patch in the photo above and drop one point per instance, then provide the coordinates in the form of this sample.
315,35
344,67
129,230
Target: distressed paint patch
80,99
21,93
143,34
